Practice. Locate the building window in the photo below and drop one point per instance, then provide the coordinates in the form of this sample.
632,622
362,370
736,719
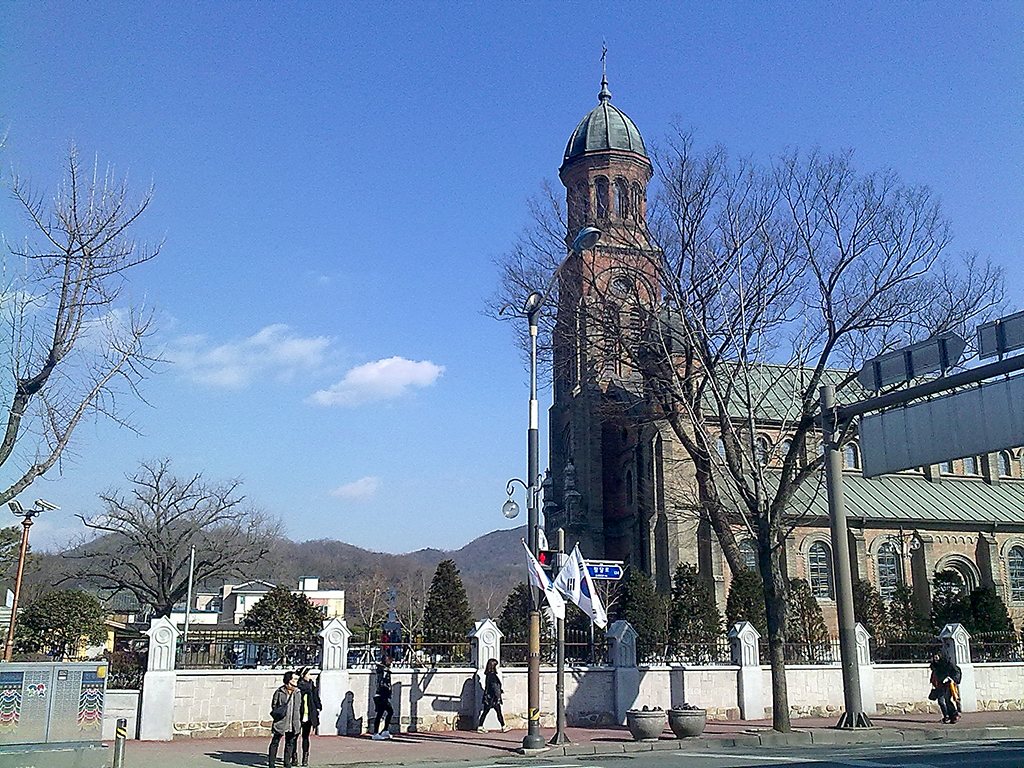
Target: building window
785,448
888,565
1004,464
749,554
851,456
621,198
602,197
819,570
946,468
629,487
720,447
970,466
1015,571
638,199
762,450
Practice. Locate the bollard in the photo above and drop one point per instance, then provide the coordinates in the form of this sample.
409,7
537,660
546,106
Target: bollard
119,736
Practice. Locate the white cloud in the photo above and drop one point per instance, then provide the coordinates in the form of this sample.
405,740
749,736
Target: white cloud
363,489
275,351
382,380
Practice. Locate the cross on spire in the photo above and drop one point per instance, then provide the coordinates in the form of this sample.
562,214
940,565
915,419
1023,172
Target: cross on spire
605,95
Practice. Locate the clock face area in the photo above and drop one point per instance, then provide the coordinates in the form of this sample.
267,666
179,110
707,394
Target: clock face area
621,286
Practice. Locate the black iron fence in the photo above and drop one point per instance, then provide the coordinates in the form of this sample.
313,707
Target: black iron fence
826,652
232,649
582,647
996,646
714,651
430,649
909,648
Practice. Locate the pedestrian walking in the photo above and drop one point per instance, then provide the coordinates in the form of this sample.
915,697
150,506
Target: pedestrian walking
945,680
382,700
311,707
492,696
286,712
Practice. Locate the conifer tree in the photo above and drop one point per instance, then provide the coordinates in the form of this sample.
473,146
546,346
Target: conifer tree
950,603
806,626
646,611
513,616
694,620
904,618
745,601
288,623
869,609
988,612
447,615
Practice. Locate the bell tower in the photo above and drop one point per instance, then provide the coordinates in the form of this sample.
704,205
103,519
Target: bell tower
596,489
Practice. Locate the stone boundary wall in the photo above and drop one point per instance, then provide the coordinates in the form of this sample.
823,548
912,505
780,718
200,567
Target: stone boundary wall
223,703
121,703
1000,686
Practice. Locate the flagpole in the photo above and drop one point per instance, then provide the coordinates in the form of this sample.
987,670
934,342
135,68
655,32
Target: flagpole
560,738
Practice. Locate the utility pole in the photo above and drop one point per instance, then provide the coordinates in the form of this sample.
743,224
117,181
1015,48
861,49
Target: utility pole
560,738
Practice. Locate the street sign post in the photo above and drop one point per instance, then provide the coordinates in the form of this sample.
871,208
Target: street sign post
610,570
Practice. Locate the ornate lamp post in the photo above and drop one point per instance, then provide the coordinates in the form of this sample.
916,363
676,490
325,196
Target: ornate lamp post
533,741
26,516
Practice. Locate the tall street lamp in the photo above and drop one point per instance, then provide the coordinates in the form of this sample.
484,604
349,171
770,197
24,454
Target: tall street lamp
26,515
533,741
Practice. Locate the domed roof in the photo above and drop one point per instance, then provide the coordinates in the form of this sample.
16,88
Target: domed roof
604,127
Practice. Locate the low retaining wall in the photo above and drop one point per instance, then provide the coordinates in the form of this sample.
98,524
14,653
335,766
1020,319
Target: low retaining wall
117,704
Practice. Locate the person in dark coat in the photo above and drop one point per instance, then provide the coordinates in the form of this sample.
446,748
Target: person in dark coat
311,707
492,695
382,700
286,712
945,678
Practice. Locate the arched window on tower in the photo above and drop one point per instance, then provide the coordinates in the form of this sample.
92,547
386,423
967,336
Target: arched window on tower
1015,572
601,188
819,570
583,202
638,200
629,488
888,565
762,450
622,207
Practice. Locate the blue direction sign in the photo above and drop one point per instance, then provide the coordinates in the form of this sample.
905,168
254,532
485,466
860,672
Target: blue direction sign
605,569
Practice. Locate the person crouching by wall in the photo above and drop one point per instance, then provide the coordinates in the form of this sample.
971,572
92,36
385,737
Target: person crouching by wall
311,707
286,712
382,700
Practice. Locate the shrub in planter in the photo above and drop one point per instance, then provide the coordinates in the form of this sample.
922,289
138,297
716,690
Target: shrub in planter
645,724
687,721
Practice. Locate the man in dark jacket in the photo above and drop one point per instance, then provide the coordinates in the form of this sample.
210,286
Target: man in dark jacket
382,700
311,707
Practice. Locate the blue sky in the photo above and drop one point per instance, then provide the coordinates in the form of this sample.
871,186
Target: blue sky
335,180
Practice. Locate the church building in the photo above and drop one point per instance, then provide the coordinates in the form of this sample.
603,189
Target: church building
621,484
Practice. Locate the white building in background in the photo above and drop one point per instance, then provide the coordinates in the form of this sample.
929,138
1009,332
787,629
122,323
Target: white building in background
233,601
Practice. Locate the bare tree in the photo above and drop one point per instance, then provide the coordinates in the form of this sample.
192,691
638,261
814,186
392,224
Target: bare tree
72,351
367,601
755,285
145,536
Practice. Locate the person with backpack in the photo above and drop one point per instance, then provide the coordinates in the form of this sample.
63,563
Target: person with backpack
945,680
382,700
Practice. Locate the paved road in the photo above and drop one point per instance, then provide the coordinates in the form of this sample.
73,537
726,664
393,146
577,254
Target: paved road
981,754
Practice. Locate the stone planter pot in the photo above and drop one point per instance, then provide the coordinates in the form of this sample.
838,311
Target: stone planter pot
645,724
687,722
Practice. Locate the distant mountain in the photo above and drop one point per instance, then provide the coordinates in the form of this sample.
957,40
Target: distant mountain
490,566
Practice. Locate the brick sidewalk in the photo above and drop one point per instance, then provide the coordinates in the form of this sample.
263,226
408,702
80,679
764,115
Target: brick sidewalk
454,746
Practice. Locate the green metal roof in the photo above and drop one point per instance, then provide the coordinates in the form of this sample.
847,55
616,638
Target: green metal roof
605,127
910,497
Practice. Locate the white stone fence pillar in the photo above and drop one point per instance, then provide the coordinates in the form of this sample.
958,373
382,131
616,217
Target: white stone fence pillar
622,654
156,720
956,645
338,715
486,639
865,670
745,646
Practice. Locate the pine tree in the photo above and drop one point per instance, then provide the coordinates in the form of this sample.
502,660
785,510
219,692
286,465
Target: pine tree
646,611
695,623
513,617
904,619
869,609
950,603
745,601
806,626
988,612
447,617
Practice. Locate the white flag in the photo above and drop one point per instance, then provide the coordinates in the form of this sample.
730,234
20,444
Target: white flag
540,580
574,581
